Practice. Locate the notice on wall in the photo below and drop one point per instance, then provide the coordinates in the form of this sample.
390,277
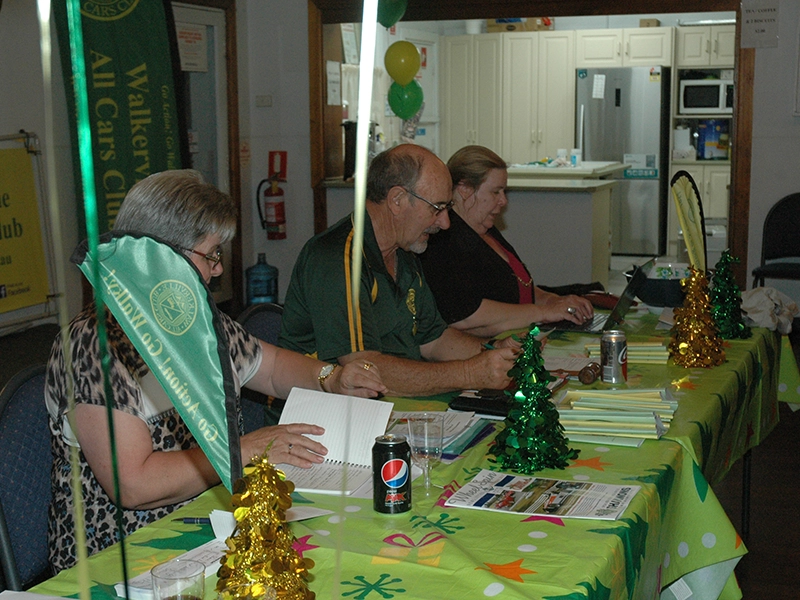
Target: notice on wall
760,23
192,47
23,274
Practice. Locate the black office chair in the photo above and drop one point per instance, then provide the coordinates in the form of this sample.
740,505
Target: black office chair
263,320
25,462
781,240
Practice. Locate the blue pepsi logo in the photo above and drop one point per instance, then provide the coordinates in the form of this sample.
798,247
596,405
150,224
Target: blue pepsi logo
394,473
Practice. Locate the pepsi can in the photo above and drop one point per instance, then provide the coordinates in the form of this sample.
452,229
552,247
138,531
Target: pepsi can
614,357
391,474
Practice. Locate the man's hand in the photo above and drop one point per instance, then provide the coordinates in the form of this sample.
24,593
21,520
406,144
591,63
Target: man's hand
490,369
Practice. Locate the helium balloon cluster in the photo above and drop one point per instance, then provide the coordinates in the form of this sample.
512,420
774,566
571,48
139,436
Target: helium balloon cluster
402,63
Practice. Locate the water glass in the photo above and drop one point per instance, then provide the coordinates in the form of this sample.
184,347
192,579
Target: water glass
425,436
179,579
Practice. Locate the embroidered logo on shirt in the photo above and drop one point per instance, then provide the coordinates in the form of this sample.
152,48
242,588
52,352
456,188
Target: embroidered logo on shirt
411,303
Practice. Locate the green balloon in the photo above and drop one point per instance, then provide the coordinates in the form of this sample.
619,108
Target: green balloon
405,100
391,11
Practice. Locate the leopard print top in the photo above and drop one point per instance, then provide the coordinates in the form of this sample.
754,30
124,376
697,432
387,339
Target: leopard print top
126,372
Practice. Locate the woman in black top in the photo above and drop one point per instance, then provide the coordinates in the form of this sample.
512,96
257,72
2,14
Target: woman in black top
479,282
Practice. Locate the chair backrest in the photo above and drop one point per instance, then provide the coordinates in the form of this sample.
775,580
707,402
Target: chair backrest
25,463
689,206
262,320
782,229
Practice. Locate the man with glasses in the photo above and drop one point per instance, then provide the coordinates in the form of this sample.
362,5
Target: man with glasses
396,325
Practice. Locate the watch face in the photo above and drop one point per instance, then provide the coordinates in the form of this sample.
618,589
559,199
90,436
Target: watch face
326,370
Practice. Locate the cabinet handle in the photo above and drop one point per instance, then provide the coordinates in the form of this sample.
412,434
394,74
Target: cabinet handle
628,49
533,136
708,46
716,47
541,136
619,48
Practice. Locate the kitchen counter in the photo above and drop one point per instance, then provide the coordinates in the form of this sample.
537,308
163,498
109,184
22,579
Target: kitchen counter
587,170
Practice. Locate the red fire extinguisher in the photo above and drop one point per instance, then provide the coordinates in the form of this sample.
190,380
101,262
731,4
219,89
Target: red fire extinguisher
273,217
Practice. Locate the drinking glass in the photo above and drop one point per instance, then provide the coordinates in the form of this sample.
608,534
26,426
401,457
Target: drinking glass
425,433
179,579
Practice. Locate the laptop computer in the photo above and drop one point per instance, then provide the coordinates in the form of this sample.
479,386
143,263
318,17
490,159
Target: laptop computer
602,322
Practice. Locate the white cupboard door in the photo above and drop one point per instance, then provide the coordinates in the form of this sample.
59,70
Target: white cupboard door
556,91
598,48
717,193
693,46
487,91
520,103
456,92
647,46
723,45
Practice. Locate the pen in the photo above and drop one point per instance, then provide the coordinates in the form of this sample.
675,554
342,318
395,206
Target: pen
194,520
488,346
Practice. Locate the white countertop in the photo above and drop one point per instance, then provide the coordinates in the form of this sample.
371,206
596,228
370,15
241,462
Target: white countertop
587,170
558,185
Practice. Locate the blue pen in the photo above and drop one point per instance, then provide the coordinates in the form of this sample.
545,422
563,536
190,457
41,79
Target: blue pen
194,520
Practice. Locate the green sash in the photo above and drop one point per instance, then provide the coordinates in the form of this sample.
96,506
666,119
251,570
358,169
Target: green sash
163,306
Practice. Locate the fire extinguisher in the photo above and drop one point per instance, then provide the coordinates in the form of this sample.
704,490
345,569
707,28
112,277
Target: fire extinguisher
273,217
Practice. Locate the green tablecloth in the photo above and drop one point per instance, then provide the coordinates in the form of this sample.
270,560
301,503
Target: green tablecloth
674,529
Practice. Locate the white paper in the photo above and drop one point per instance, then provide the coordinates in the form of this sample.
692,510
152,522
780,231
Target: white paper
334,83
455,423
599,86
192,47
351,426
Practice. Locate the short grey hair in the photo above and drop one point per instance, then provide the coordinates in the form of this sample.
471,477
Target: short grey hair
178,207
393,167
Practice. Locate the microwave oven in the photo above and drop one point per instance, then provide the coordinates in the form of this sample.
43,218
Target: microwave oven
706,96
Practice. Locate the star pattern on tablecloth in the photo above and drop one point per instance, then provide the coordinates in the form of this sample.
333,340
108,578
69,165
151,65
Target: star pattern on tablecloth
591,463
513,570
684,383
301,545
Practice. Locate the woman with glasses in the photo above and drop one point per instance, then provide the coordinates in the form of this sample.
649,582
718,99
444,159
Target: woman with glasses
480,283
160,465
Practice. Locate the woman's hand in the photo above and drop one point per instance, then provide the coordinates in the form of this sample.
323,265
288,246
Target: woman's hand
287,444
572,308
357,378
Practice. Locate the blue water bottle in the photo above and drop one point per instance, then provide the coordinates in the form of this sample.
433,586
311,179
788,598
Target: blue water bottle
262,282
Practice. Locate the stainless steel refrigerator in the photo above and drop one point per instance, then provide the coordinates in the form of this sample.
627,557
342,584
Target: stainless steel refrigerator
622,114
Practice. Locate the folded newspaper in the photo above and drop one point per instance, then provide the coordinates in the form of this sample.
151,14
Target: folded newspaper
501,492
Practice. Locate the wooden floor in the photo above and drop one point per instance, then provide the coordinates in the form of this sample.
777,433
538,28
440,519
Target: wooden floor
771,569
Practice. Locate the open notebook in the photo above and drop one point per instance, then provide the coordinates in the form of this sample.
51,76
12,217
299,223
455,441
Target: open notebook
351,426
601,322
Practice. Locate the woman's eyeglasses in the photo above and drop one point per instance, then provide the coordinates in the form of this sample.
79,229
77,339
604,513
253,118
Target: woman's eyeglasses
436,207
213,257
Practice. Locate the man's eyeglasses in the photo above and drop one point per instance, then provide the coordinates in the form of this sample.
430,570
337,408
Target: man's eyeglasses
213,257
436,207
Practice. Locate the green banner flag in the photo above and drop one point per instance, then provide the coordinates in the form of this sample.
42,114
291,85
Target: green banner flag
131,95
157,296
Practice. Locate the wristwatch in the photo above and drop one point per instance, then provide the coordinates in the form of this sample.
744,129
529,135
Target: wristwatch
324,373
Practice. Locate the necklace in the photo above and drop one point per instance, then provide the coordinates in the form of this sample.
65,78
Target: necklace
525,283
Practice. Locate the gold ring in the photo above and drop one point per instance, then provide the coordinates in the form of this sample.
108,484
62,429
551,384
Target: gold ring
571,310
367,366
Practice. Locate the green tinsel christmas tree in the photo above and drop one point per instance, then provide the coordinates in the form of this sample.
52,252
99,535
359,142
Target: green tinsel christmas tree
533,438
726,300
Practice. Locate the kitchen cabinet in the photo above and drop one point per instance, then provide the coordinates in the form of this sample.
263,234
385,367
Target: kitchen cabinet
713,45
713,183
538,114
471,90
637,47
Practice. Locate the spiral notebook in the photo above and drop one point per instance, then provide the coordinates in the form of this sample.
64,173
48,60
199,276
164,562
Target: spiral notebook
351,426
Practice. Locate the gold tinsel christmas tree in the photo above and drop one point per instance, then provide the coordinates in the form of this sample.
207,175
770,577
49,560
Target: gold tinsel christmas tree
260,562
695,340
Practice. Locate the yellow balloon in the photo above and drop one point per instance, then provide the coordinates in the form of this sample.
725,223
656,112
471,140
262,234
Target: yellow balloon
402,62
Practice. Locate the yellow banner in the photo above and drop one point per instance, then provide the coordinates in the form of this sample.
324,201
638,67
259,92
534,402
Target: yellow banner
23,275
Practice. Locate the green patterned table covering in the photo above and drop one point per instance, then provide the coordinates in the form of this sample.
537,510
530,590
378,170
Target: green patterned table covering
674,529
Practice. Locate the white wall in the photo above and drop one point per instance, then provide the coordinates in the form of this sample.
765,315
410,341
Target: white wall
273,60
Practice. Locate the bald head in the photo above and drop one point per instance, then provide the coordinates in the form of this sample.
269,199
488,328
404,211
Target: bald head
403,166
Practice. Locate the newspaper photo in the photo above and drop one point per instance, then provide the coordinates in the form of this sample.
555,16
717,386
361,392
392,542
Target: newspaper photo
501,492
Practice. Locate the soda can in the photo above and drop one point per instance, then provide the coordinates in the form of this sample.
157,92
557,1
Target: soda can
614,357
391,474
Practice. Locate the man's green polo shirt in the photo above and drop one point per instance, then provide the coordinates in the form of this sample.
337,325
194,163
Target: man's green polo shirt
393,318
